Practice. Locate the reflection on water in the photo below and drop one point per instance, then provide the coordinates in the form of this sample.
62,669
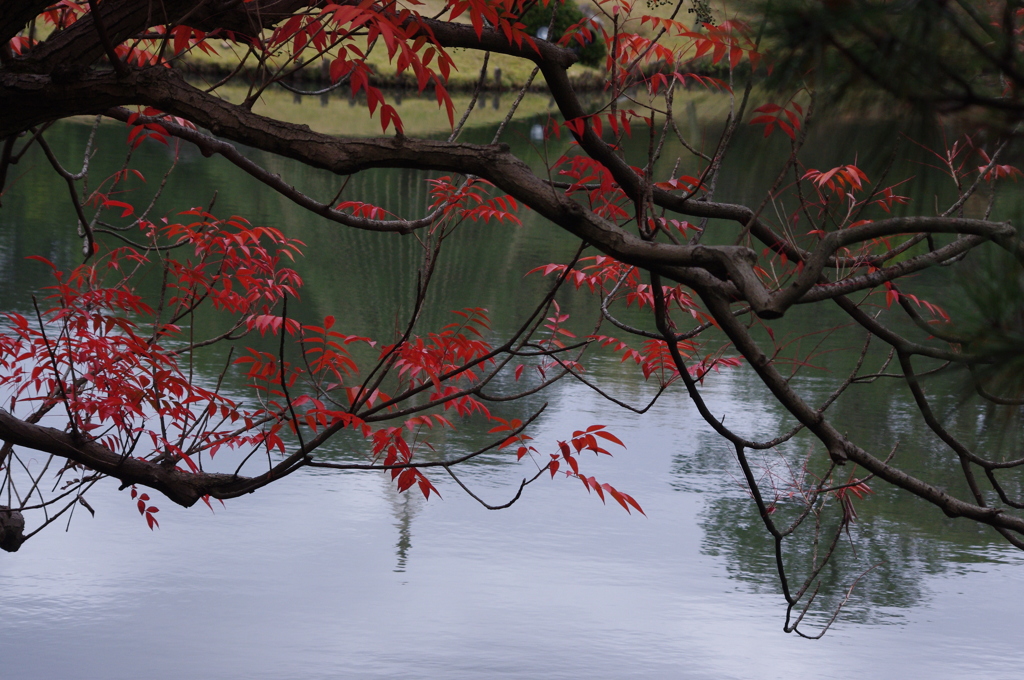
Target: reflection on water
317,577
405,507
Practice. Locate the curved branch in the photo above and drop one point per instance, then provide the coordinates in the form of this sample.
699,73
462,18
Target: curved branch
210,145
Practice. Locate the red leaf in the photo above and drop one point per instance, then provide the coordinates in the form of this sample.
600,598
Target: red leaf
631,501
407,478
735,54
610,437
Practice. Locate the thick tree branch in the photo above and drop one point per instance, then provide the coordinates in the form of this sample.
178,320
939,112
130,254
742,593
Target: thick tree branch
181,487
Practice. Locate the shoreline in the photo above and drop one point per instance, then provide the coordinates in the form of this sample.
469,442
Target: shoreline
586,80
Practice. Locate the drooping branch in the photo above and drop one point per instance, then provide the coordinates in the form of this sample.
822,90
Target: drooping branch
839,447
179,486
209,145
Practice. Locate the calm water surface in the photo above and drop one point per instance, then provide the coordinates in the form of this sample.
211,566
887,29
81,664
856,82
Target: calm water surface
337,576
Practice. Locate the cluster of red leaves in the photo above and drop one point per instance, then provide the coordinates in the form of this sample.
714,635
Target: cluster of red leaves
367,210
620,121
63,13
141,131
327,352
102,352
113,363
410,44
955,160
997,171
587,441
234,265
568,453
840,180
449,355
731,41
787,118
845,497
599,276
658,81
655,358
147,511
502,14
595,182
114,381
390,442
605,273
468,200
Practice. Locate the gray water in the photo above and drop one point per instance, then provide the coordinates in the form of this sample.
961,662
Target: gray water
328,575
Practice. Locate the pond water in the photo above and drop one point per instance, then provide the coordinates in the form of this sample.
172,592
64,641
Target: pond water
338,576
